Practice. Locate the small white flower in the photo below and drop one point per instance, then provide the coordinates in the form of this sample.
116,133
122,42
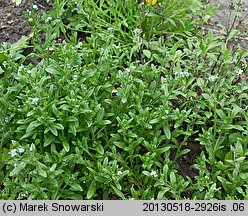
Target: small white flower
35,7
206,177
153,173
13,153
167,112
20,68
152,198
29,71
21,150
127,70
184,74
167,54
48,19
213,187
31,148
132,198
15,165
110,29
35,101
75,77
212,78
117,47
136,31
119,173
239,72
6,118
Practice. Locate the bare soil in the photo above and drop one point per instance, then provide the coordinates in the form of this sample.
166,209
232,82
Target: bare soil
225,17
13,23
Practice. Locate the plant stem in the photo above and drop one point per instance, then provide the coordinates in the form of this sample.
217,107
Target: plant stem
215,122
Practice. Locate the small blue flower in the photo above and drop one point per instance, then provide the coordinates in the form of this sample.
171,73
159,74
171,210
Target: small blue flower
212,78
153,173
119,173
35,101
13,153
136,31
75,77
21,150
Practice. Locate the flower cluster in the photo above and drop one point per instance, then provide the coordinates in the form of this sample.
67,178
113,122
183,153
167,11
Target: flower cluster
14,152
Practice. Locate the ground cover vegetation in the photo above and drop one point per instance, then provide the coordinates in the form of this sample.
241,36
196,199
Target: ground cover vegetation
124,100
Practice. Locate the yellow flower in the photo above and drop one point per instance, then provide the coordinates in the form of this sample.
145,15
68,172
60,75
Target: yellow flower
152,2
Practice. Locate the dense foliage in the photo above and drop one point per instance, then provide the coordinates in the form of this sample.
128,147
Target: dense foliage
116,96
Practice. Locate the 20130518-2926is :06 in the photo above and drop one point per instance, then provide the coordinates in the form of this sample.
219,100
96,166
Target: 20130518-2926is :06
194,207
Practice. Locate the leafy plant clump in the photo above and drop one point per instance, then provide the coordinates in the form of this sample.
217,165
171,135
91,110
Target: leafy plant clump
124,100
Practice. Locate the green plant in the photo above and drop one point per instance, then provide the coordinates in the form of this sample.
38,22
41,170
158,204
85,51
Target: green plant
116,108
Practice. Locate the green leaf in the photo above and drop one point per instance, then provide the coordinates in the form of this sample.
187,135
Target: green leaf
208,114
244,176
50,69
134,193
32,112
92,190
167,132
200,83
17,169
3,58
232,34
163,150
53,129
121,145
21,43
172,21
173,178
147,53
123,99
104,122
59,126
110,102
183,152
146,173
71,119
48,139
66,145
76,187
41,172
32,126
221,114
154,121
27,135
73,128
226,184
237,127
236,110
117,192
162,192
99,149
